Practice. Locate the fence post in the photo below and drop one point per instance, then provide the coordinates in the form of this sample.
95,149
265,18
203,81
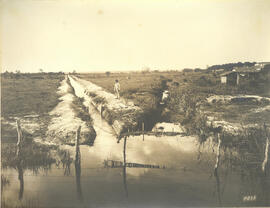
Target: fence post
124,167
18,154
143,129
78,165
124,150
218,153
20,137
77,157
266,149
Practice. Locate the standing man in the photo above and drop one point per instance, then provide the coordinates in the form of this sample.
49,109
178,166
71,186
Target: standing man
117,88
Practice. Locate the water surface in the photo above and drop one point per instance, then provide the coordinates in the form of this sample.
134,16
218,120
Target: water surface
137,172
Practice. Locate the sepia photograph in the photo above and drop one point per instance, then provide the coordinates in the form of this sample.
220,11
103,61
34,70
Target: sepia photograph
135,103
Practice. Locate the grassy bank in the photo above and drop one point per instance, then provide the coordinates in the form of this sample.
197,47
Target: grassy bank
29,94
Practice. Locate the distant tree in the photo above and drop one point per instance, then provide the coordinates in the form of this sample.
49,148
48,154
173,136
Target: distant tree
6,74
197,70
187,70
40,70
146,70
108,73
74,72
18,74
230,66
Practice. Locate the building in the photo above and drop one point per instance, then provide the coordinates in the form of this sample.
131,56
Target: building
229,77
241,73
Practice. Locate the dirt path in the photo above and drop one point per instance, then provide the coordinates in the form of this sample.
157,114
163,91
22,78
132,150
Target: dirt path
120,114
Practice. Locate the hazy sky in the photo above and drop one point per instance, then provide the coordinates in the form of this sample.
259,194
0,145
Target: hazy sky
91,35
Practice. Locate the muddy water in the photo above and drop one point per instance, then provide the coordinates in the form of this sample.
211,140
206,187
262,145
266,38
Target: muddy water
137,172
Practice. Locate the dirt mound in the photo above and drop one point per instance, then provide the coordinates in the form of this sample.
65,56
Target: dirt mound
64,123
240,99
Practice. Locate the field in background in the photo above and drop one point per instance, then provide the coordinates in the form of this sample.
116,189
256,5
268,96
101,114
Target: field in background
25,94
188,90
141,88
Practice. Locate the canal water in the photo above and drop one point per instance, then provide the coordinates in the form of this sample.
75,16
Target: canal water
138,172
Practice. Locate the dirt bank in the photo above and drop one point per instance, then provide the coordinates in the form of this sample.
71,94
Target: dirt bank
119,113
64,123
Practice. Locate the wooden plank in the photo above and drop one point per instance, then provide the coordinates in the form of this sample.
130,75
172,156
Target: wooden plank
151,133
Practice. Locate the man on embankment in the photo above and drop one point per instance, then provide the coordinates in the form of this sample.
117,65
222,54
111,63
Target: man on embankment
117,88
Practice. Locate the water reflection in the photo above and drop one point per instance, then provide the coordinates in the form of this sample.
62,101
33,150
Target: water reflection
4,182
216,169
125,167
254,184
20,177
25,156
78,173
124,164
66,160
218,186
236,181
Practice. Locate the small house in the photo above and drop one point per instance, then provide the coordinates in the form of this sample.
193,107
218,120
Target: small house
229,77
240,73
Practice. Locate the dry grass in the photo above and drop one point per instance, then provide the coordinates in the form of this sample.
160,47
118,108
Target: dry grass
187,91
28,95
141,88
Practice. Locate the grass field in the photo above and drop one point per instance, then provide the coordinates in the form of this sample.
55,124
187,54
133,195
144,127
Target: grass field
141,88
36,94
29,94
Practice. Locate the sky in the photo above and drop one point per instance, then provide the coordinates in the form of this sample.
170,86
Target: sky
119,35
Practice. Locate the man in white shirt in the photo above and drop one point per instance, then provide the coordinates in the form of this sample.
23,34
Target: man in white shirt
117,89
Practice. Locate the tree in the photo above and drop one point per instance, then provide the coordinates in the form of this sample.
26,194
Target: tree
145,69
40,70
108,73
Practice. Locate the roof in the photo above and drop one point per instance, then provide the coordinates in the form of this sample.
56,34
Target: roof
227,73
248,69
244,69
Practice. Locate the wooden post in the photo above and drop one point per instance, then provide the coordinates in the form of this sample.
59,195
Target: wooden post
124,150
19,131
143,130
216,169
78,165
18,154
20,137
20,177
218,152
266,150
237,78
77,157
124,167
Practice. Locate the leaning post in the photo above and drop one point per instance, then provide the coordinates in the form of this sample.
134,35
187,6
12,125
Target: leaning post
218,153
143,130
20,137
77,143
266,149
